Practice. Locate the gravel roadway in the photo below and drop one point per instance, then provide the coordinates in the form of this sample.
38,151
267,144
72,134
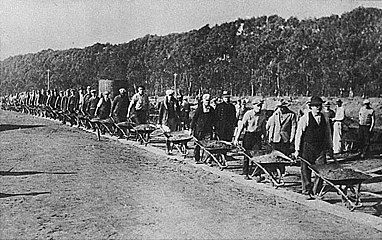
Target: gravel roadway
59,182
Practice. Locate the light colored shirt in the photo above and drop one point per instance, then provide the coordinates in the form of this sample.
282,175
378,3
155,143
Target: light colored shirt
366,116
253,122
281,127
140,102
340,114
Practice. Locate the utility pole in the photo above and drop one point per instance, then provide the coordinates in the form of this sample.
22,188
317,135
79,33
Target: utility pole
48,77
278,79
175,74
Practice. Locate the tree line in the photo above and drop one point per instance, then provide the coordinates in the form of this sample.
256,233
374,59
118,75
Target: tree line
266,55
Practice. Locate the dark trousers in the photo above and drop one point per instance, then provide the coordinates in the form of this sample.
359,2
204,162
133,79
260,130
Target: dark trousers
200,136
140,116
315,155
251,141
364,136
225,133
119,118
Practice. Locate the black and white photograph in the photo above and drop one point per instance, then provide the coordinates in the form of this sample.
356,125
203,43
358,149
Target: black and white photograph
190,119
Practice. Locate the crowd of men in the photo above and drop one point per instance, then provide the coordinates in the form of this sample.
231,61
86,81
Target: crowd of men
312,134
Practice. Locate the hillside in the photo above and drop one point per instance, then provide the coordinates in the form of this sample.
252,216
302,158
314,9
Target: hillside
265,55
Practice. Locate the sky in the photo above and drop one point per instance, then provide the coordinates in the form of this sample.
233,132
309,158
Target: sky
29,26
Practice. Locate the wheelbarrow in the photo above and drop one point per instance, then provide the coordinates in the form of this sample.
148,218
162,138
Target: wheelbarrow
346,181
216,150
102,125
271,164
125,127
143,132
179,140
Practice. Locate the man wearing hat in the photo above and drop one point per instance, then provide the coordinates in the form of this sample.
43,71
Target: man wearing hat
169,111
281,128
366,125
226,118
93,101
337,127
119,106
73,101
184,112
104,106
169,115
253,123
139,106
203,123
313,141
85,104
329,114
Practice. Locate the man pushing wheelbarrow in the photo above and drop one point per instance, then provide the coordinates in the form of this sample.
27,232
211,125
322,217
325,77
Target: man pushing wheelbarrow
313,141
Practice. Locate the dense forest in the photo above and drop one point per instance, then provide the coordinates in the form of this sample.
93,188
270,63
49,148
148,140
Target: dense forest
265,55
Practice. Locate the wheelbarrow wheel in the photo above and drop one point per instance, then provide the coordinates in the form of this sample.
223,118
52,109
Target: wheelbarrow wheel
277,180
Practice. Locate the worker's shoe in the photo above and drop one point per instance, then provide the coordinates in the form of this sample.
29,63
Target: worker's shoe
168,152
247,178
260,178
198,162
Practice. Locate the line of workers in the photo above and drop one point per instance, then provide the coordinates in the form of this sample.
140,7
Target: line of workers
312,134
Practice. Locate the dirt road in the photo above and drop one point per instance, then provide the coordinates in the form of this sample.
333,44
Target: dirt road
64,184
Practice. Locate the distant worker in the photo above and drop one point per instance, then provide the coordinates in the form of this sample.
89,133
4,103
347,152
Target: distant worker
313,141
104,106
64,100
329,114
226,118
139,106
119,106
366,125
73,101
85,104
337,127
203,123
281,128
253,124
184,112
169,112
93,101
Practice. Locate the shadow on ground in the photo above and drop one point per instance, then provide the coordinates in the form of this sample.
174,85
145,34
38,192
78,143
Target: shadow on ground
8,127
6,195
9,173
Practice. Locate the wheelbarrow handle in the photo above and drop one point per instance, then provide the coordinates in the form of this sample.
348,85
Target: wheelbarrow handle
339,191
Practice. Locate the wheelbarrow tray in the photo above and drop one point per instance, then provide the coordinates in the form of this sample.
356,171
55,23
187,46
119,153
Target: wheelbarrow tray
216,150
272,164
216,145
179,140
105,123
177,136
148,128
341,176
127,125
143,132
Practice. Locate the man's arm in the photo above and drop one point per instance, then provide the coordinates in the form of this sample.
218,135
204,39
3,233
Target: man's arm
133,99
113,104
240,128
293,128
301,126
372,121
195,119
98,106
